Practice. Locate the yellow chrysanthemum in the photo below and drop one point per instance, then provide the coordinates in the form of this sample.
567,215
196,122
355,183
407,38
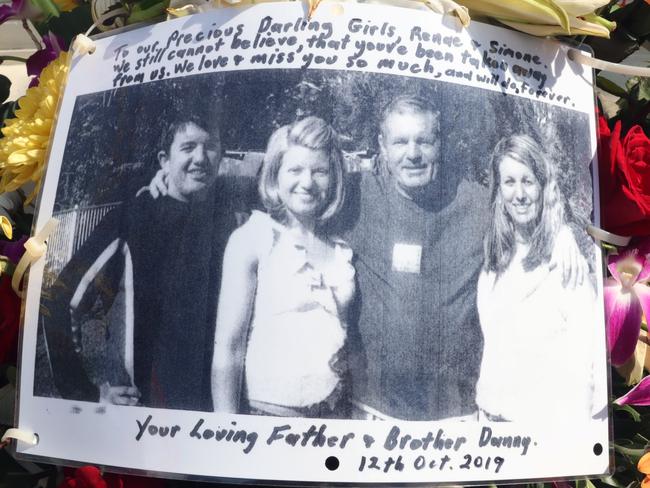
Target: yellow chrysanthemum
65,5
24,145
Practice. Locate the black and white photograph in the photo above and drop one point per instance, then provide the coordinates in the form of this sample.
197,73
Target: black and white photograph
325,245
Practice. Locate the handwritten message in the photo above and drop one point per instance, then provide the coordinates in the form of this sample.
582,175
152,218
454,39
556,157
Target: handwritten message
353,43
398,450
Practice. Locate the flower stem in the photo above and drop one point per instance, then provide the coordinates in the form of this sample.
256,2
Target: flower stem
12,58
629,451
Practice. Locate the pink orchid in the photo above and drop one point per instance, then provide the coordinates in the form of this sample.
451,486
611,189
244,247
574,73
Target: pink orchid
627,297
639,395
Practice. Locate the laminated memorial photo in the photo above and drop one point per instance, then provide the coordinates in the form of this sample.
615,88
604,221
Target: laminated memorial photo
328,249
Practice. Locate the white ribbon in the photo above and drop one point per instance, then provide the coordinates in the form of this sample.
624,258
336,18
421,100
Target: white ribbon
624,69
20,435
34,248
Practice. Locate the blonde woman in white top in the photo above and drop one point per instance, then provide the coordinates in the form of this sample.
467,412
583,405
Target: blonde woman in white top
286,285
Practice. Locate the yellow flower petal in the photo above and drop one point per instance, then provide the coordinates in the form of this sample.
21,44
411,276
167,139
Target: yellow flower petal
26,156
65,5
5,226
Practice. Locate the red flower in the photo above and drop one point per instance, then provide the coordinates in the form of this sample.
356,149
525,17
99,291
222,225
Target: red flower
624,169
84,477
91,477
9,320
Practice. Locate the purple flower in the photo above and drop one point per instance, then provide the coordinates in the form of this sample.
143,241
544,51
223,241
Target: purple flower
13,10
639,395
20,9
13,249
40,59
627,297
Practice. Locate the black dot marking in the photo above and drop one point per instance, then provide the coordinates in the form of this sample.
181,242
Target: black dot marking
598,448
332,463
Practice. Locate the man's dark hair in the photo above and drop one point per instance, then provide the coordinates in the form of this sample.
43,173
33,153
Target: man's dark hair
208,123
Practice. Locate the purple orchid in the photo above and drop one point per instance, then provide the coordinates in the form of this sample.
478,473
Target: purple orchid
13,249
639,395
13,10
627,297
40,59
19,9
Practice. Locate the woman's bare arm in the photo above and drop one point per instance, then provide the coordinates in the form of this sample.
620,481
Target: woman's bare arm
236,300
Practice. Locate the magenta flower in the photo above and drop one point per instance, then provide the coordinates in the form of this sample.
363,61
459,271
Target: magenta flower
13,250
40,59
14,10
627,297
639,395
27,9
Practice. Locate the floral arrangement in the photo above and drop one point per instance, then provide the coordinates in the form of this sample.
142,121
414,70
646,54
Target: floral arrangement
613,29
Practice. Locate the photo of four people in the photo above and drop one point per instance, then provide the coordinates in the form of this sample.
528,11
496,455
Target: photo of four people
333,280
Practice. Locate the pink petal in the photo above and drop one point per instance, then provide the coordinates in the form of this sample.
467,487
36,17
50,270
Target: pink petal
639,395
645,271
612,261
623,316
561,484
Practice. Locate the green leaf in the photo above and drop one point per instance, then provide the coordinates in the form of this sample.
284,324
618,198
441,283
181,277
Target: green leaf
138,14
5,86
631,82
629,452
48,7
584,484
628,409
69,24
145,4
7,110
611,481
610,87
644,89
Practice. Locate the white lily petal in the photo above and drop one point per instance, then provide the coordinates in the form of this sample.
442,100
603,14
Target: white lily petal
413,4
578,27
546,12
442,7
576,8
448,7
584,27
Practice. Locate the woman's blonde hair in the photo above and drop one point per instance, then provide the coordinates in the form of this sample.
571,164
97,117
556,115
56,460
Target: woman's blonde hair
313,133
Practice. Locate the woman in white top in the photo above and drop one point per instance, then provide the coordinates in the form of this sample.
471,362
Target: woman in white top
538,354
286,285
